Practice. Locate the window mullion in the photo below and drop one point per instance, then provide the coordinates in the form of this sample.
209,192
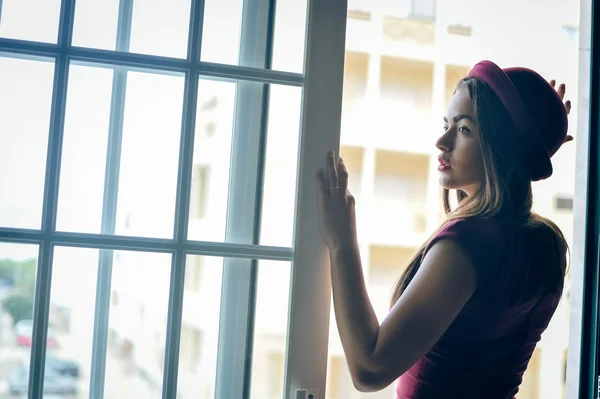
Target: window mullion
239,275
308,326
44,270
109,205
186,158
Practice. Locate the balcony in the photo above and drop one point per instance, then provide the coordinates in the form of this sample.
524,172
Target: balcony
409,30
392,223
388,125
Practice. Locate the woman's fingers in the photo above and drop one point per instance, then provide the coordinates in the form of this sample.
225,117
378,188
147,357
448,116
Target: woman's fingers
342,175
568,138
561,90
321,185
332,171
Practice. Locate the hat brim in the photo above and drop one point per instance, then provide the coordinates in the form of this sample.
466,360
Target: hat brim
536,156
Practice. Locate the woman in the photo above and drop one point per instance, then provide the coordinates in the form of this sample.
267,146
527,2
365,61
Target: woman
469,309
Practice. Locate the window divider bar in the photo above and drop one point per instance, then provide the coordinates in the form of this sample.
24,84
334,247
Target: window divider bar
195,31
65,26
53,159
182,206
310,294
109,205
239,276
186,159
174,320
154,63
104,241
41,310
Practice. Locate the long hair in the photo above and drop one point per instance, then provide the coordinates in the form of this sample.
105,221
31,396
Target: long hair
506,192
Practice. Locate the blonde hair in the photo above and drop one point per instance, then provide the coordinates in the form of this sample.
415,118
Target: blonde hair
505,193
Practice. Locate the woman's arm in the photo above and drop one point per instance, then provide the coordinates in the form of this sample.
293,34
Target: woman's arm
379,354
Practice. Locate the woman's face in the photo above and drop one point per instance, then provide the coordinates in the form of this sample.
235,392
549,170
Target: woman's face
461,161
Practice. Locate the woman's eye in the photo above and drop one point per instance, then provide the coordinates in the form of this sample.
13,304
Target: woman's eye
463,129
445,128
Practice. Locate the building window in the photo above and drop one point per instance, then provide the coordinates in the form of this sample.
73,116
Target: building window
424,9
563,203
193,273
572,33
191,348
199,198
210,129
276,367
210,104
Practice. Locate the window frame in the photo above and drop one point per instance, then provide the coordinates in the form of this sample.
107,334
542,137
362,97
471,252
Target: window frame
583,362
254,67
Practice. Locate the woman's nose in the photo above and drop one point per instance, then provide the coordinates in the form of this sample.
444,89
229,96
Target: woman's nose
443,143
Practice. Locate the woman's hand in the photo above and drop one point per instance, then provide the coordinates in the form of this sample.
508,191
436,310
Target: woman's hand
336,205
561,93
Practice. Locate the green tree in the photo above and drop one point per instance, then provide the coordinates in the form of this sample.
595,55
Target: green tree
19,304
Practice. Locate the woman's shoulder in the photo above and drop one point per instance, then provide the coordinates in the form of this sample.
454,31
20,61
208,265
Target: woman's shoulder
482,238
475,228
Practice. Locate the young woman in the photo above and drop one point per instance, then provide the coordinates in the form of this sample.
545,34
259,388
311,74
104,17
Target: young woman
469,309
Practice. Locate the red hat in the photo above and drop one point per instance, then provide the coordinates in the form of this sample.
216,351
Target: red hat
535,108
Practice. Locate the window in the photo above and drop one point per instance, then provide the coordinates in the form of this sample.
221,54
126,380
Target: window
563,203
194,273
158,186
152,197
423,9
200,184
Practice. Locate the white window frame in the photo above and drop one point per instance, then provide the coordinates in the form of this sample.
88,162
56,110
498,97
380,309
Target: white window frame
321,113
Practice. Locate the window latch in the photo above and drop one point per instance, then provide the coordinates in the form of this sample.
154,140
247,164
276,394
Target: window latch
312,393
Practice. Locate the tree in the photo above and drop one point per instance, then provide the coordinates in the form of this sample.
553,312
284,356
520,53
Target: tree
22,274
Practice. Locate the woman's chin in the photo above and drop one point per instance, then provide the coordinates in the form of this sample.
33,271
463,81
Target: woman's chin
446,182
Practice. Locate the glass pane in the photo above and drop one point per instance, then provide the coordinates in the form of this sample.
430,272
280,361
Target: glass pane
279,189
96,26
149,152
221,31
136,329
212,149
35,20
212,159
150,155
25,102
270,329
173,18
18,266
71,319
290,34
399,99
200,327
84,149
